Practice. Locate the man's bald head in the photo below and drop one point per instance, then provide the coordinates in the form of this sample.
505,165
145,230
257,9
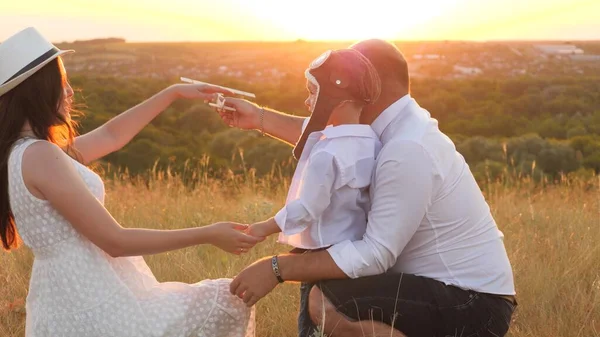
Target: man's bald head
388,60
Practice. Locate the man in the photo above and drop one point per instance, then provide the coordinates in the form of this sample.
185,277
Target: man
432,261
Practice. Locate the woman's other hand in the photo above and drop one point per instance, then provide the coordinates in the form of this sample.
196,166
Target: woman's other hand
231,237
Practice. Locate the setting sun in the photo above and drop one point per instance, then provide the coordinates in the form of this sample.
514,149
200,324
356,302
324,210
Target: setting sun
337,20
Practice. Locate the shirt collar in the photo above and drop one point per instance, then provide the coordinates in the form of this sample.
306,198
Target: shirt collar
349,130
389,114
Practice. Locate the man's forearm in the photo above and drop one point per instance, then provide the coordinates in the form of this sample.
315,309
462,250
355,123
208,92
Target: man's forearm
284,127
309,267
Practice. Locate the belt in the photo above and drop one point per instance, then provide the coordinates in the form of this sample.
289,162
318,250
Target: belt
303,251
508,298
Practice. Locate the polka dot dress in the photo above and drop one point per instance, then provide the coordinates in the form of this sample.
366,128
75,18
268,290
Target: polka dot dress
76,289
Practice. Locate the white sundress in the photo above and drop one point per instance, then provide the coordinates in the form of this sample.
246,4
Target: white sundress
76,289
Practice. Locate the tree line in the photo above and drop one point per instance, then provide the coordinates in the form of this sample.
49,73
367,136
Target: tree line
531,126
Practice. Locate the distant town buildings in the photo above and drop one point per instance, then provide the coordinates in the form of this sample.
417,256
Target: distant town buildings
585,58
427,57
467,70
559,49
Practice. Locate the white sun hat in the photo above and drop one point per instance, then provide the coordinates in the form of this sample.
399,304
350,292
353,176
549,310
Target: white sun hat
22,54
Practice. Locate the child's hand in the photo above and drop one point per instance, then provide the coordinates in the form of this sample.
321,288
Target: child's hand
231,237
263,229
257,230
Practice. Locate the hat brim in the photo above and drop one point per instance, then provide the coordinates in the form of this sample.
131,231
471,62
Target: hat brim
6,87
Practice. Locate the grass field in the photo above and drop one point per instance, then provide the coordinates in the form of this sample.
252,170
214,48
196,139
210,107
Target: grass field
552,235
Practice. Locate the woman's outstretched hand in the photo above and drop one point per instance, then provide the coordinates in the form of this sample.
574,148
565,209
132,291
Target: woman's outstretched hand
231,237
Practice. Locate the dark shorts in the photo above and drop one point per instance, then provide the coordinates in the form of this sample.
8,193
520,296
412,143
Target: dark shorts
416,306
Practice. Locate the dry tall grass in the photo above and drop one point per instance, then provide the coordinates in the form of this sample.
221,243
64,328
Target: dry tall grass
552,235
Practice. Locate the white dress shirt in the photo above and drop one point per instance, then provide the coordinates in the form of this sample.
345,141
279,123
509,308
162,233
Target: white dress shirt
328,199
428,216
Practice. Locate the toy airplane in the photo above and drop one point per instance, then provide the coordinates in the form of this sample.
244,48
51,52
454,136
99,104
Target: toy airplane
220,103
235,91
220,100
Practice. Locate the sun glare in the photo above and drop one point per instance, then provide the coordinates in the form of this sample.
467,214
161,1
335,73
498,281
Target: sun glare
336,20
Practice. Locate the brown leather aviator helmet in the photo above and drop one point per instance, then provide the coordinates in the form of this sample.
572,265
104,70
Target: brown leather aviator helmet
339,75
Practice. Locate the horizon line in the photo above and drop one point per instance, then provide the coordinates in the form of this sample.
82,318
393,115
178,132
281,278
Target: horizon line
329,41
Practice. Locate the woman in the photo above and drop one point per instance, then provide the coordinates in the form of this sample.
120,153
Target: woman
88,278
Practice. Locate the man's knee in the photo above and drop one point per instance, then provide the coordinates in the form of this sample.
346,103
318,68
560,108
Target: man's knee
319,306
325,316
316,305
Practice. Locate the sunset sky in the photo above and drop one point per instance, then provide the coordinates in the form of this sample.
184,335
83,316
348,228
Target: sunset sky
267,20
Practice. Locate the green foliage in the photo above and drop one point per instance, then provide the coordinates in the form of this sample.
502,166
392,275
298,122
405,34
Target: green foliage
587,149
529,126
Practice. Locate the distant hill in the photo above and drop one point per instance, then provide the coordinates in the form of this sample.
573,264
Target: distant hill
100,41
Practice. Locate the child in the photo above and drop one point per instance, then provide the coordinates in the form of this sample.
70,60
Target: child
328,198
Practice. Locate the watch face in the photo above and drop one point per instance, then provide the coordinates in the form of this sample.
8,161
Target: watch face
316,63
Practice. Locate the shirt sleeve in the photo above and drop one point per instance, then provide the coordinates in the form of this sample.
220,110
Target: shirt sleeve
402,193
313,197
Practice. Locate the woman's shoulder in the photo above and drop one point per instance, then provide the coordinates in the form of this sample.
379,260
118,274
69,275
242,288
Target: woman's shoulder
29,147
39,149
29,161
41,155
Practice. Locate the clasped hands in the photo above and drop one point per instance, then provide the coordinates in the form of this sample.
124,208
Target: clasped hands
237,238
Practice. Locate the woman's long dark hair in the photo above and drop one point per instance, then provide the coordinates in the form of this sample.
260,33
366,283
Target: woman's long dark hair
36,101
